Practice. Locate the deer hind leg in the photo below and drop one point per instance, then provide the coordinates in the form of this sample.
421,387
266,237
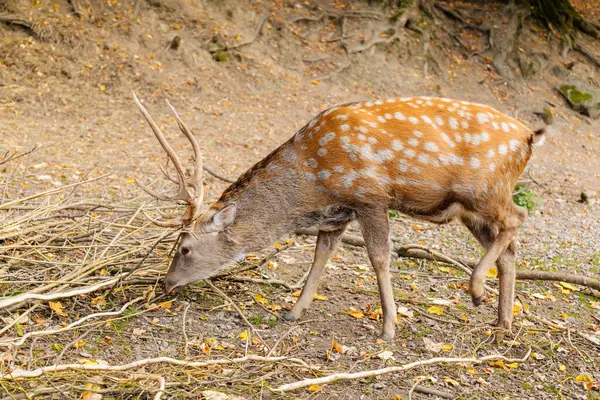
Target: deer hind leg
511,220
486,235
327,242
375,230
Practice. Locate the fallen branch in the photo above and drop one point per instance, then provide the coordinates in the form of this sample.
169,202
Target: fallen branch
24,374
14,156
376,372
10,20
221,177
9,301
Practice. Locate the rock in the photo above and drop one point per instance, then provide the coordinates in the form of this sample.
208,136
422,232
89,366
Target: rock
582,98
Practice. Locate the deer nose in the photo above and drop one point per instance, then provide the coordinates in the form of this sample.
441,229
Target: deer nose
171,287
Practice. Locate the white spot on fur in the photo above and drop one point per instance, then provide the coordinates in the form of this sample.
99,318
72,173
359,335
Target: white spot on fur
372,140
410,153
454,159
388,116
323,174
399,116
380,118
430,146
475,140
492,167
413,142
491,153
453,123
482,118
485,136
502,149
328,137
312,163
423,158
403,165
379,102
464,124
474,162
362,137
363,129
289,154
418,133
426,119
345,127
342,117
513,144
505,127
322,152
439,120
338,168
345,139
310,177
512,125
413,120
397,145
458,138
448,140
495,125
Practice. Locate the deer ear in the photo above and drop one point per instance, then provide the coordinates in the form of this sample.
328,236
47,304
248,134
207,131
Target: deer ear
225,217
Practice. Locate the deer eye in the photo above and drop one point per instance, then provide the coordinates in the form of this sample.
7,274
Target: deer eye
185,251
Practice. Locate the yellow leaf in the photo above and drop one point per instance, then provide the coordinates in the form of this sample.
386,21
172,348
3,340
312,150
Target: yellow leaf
275,307
583,378
471,371
130,180
451,381
568,286
319,297
176,27
417,227
445,269
244,335
517,309
447,347
492,273
497,363
166,305
314,388
562,367
564,315
513,365
297,293
338,348
80,343
102,88
316,83
57,307
91,395
260,299
99,301
435,310
356,314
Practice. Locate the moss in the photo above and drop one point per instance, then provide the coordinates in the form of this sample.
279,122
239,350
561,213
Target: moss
574,95
221,56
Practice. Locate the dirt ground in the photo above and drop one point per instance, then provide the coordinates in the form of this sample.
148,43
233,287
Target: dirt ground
65,87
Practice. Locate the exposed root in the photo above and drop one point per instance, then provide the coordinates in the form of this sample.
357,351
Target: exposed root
255,36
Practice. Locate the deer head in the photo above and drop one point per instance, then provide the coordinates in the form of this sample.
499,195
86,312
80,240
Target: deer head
204,245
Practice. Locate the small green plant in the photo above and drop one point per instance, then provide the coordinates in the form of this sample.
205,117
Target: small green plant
525,198
255,319
393,214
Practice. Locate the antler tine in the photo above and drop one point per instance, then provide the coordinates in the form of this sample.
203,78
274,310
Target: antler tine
165,170
183,193
196,178
164,224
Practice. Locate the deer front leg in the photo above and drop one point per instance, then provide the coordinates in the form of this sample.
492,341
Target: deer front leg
375,230
327,242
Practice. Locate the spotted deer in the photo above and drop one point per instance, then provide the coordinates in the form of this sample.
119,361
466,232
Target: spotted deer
430,158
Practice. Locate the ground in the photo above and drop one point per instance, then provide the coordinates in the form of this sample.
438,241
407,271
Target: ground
65,88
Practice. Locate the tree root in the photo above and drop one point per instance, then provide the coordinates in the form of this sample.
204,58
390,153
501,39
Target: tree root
423,253
12,20
580,47
401,368
255,36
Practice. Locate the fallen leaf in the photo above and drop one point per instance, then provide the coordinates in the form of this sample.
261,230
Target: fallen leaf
432,346
497,363
319,297
57,307
447,347
405,312
537,356
562,367
356,314
88,395
335,346
568,286
244,335
583,378
386,355
80,343
435,310
451,381
260,299
99,301
492,273
513,365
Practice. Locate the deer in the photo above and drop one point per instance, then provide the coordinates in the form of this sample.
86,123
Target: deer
434,159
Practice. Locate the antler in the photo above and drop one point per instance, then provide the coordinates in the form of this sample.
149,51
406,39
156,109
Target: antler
183,180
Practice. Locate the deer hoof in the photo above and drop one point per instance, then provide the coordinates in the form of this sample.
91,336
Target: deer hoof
387,337
290,316
477,301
